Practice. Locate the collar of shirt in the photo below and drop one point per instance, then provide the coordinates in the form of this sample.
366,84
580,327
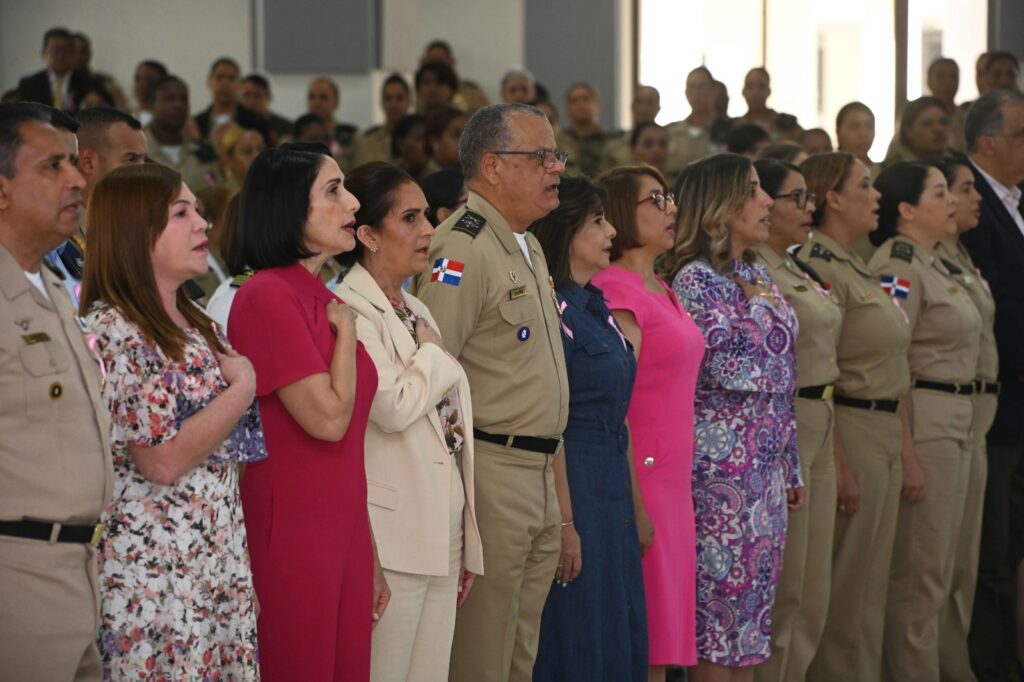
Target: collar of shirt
841,253
582,297
499,226
299,277
1010,196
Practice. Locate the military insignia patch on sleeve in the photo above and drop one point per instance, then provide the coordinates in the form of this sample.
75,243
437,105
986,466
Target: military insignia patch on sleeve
903,251
471,223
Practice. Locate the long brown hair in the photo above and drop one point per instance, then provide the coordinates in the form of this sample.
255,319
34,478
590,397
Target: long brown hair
128,210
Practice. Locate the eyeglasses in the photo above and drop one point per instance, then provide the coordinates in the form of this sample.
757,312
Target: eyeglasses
801,196
660,199
548,157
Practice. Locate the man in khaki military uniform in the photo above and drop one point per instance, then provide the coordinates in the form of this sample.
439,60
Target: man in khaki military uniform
584,140
56,475
168,141
492,297
690,139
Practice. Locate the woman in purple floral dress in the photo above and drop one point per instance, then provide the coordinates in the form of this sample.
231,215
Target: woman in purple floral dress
745,456
176,590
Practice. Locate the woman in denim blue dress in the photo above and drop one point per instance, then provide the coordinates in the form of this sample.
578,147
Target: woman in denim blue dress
594,626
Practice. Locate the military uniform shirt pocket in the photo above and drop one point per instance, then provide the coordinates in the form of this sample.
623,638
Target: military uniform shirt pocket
45,376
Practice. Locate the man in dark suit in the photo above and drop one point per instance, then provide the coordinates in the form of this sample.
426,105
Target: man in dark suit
57,85
994,135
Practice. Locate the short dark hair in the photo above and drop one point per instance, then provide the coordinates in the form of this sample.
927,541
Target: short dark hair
259,81
374,184
396,79
12,118
578,197
999,56
56,32
275,207
438,43
436,122
94,123
97,89
444,74
442,190
772,174
584,85
62,121
488,130
639,128
947,165
986,116
224,60
164,81
937,62
745,138
153,64
405,125
848,109
304,121
900,183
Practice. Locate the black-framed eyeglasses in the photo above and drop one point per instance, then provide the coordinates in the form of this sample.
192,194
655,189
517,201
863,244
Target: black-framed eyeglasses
660,199
548,157
800,196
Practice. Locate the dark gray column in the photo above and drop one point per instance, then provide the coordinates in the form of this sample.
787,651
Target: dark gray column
1006,26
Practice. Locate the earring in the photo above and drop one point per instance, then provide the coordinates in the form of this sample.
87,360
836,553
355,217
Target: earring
374,249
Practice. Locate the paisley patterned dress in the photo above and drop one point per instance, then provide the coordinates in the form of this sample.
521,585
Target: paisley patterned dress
745,457
175,585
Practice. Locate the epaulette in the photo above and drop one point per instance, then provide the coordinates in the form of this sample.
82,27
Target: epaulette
903,251
54,269
811,271
953,268
819,251
471,223
241,278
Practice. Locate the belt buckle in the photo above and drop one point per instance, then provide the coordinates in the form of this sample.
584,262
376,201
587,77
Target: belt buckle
97,533
827,393
873,405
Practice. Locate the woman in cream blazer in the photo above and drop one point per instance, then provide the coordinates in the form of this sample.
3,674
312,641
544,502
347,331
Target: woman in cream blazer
419,442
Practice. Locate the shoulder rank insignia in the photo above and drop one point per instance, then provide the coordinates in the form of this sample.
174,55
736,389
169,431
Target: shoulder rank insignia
903,251
241,278
952,267
471,223
819,251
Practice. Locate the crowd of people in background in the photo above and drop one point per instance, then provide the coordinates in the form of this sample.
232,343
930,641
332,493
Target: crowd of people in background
489,392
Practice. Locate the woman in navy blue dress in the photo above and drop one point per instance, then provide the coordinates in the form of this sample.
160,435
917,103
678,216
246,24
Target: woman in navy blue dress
594,627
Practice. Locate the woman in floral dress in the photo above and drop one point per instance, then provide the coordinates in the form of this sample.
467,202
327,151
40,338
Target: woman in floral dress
745,434
177,593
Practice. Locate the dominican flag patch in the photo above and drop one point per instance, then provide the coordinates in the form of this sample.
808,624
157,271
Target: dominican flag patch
895,287
447,271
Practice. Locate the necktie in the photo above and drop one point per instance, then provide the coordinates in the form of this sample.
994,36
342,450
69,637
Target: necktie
58,92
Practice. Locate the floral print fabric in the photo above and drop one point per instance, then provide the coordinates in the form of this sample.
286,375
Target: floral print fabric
745,457
176,589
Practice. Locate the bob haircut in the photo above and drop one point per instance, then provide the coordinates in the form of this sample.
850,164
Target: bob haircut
900,183
773,174
128,211
405,127
622,191
374,184
578,198
826,173
711,191
442,189
275,207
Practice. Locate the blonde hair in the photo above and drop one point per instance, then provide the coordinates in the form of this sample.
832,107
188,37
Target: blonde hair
708,193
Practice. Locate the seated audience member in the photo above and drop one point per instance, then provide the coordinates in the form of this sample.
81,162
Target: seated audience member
816,141
517,86
446,193
218,305
237,147
256,97
757,88
316,384
311,129
690,139
550,111
584,139
409,145
147,74
789,152
223,83
747,139
169,143
173,562
107,139
55,468
646,104
944,81
648,143
469,96
855,133
58,85
442,130
374,144
323,99
924,132
94,97
436,84
419,443
81,46
1002,71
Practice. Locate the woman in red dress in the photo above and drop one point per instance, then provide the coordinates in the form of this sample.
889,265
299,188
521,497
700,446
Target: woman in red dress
314,569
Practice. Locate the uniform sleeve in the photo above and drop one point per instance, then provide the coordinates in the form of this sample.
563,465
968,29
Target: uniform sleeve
456,306
407,394
913,302
267,326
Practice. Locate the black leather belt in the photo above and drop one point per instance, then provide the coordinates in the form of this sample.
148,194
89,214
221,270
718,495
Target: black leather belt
547,446
40,530
874,405
990,387
823,392
956,389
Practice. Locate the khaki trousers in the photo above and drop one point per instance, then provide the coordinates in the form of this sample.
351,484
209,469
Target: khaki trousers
955,620
801,599
497,629
413,640
851,646
926,537
49,612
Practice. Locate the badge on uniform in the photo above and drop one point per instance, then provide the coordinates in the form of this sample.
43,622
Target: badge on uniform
447,271
895,286
523,333
518,292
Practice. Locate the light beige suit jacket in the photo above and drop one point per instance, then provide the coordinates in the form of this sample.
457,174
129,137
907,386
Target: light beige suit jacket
408,466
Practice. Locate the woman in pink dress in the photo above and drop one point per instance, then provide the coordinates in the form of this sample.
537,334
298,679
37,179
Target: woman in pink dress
669,348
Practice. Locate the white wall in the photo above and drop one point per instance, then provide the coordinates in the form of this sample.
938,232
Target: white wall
187,35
